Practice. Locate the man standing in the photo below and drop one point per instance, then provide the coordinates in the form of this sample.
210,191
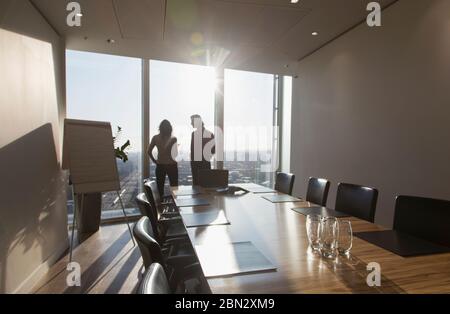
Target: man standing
203,147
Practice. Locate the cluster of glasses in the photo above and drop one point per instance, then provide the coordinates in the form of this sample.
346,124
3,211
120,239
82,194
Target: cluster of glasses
329,236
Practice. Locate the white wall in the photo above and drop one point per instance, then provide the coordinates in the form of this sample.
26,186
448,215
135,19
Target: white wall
373,107
33,215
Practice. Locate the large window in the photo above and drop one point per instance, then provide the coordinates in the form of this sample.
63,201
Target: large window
108,88
250,136
177,91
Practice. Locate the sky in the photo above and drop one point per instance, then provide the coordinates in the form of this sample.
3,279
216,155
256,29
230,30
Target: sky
102,87
108,88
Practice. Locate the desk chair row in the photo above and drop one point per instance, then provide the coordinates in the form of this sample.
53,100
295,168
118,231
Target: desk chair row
425,218
352,199
355,200
169,259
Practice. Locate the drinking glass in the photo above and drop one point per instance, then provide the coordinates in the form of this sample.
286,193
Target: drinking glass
328,234
312,231
345,237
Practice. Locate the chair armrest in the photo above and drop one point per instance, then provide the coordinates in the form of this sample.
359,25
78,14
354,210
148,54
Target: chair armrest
169,207
174,243
170,215
166,251
189,272
179,262
167,199
177,241
165,222
192,271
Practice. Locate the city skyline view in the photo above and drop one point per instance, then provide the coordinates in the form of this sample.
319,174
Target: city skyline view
108,88
130,177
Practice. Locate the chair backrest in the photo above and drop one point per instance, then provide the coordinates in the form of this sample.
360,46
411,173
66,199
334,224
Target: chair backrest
154,281
424,218
147,210
152,193
356,200
285,182
213,178
145,238
144,205
147,189
318,191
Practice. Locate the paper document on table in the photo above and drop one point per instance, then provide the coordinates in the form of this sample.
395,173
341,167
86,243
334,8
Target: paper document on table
230,259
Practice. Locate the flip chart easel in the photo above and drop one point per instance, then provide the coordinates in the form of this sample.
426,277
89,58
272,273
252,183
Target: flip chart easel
88,154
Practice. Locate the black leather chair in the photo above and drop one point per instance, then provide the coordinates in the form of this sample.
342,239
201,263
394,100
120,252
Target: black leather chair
177,267
164,208
356,200
165,227
285,182
154,281
144,205
425,218
318,191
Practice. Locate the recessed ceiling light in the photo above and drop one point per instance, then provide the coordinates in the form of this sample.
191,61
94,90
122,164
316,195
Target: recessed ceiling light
315,33
79,14
294,1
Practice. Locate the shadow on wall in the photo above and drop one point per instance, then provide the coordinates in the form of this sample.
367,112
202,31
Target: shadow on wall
32,194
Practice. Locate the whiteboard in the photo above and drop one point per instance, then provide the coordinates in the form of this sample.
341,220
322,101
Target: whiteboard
88,154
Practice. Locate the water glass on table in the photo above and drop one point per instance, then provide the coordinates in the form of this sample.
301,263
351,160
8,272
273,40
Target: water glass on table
345,237
312,231
328,236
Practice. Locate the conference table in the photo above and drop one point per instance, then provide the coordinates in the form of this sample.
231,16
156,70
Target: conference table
280,235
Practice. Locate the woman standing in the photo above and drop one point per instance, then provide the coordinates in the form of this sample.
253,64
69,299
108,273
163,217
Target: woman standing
166,164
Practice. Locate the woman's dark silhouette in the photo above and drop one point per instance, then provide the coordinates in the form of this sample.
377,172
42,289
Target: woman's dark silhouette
166,164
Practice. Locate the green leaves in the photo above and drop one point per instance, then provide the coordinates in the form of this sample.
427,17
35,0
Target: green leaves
121,152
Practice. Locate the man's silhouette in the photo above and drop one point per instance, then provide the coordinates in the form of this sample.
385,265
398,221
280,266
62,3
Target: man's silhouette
203,147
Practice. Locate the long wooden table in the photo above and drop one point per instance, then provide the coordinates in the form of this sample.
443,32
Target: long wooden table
279,233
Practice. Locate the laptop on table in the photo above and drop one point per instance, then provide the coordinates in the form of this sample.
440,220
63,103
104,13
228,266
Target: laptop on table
213,179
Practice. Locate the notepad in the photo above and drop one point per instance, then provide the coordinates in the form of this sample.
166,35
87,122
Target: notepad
321,211
187,202
281,198
210,218
218,260
261,190
255,188
402,244
187,191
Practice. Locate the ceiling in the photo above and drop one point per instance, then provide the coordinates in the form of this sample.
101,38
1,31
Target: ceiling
258,35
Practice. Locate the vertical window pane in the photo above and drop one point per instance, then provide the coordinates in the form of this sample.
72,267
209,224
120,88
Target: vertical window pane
108,88
287,110
178,91
248,124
